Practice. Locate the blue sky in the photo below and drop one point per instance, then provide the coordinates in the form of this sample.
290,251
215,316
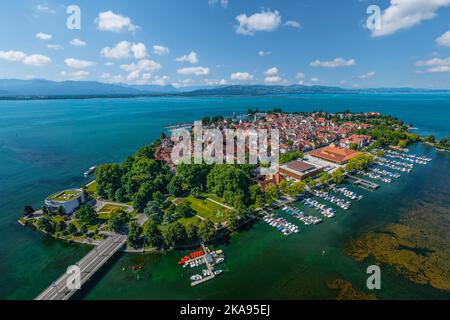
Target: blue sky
207,42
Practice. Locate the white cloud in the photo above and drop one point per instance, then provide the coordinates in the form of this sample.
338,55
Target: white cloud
404,14
435,65
43,36
336,63
367,75
37,60
144,65
54,47
160,50
112,79
120,51
183,83
134,75
191,58
198,71
241,76
161,81
444,40
264,53
110,21
12,55
300,76
223,3
293,24
273,79
216,82
262,21
272,71
109,64
314,79
77,43
77,75
78,64
139,50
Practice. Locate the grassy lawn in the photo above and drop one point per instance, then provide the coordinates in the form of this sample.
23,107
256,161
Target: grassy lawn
107,209
207,209
92,188
67,195
186,221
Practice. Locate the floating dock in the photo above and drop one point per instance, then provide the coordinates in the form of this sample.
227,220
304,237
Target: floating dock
364,183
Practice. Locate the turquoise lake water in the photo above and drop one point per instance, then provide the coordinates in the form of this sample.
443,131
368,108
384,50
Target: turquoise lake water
45,146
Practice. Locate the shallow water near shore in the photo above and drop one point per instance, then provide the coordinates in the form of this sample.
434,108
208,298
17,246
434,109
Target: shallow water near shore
46,145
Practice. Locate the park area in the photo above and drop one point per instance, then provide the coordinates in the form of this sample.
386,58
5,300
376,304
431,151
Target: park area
207,209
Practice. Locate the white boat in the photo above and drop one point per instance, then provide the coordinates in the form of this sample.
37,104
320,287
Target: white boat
217,272
90,171
196,277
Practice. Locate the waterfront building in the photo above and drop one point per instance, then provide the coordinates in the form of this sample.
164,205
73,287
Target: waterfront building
299,170
70,200
335,154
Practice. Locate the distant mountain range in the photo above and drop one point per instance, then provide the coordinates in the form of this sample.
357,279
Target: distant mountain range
46,89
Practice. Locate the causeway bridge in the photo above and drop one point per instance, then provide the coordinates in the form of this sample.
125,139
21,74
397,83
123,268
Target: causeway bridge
89,265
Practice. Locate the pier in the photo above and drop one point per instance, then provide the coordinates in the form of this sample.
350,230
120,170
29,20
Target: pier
208,265
364,183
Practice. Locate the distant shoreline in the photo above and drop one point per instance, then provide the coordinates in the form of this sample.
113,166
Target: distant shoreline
204,95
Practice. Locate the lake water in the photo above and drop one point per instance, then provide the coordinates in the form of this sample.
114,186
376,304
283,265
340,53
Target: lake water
45,146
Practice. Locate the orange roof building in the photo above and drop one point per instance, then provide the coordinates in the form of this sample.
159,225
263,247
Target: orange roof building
335,154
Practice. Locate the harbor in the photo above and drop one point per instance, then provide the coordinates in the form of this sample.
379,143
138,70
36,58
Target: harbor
203,258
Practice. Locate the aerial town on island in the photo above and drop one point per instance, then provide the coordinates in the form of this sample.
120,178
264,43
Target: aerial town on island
147,203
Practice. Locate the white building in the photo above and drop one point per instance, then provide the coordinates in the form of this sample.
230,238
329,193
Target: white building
70,200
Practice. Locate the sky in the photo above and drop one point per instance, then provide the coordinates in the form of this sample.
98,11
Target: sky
343,43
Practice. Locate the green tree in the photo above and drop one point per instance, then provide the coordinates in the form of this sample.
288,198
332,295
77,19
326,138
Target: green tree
154,211
183,210
45,224
118,220
71,228
206,230
175,186
86,216
173,234
338,176
273,192
61,211
152,234
192,231
28,210
134,234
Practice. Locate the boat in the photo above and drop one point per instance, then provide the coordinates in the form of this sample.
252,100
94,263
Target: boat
196,277
217,272
90,171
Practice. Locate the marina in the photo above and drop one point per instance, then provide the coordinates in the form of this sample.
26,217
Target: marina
321,208
281,224
341,203
347,193
300,215
203,258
